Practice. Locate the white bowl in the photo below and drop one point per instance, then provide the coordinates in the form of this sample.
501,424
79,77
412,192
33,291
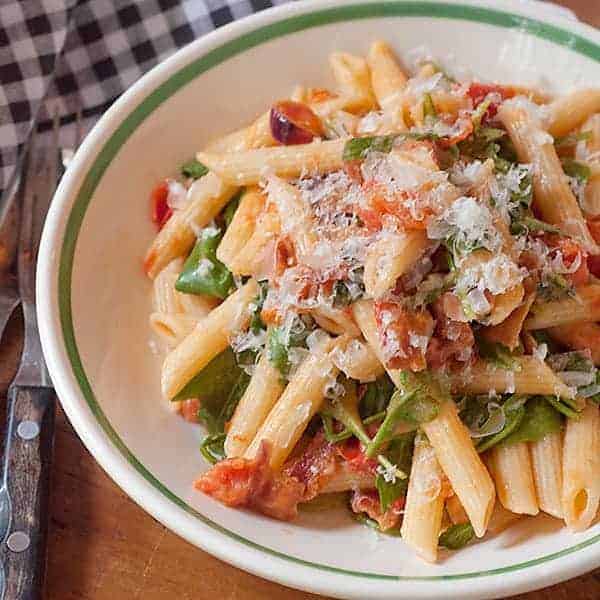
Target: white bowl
94,300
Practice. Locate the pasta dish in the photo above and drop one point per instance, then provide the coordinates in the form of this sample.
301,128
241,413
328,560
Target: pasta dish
388,291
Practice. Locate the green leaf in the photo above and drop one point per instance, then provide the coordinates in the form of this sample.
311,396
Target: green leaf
540,419
345,410
590,392
514,411
345,434
417,402
497,354
399,453
572,138
457,536
554,287
372,524
574,168
429,110
212,448
203,272
280,340
230,209
376,397
194,169
256,322
358,148
528,224
562,407
214,382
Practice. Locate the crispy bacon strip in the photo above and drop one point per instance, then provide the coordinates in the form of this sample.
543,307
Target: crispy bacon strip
368,502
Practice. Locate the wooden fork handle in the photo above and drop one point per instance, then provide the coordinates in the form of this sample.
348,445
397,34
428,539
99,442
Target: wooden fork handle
28,455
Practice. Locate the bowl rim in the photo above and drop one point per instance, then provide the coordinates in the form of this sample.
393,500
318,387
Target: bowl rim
54,288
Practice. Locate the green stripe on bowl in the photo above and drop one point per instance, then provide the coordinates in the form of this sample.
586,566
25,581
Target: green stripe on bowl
177,81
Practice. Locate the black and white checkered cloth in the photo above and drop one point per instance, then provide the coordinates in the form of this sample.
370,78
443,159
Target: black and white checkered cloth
66,55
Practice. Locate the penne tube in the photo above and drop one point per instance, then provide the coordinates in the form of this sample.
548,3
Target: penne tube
591,196
581,469
567,112
388,80
546,460
257,135
391,257
356,360
509,330
209,338
165,296
338,321
579,336
172,328
585,306
299,402
242,226
251,166
553,197
529,376
354,81
264,389
462,465
207,197
345,478
511,469
427,491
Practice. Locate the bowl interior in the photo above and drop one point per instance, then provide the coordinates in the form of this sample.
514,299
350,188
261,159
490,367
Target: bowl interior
111,298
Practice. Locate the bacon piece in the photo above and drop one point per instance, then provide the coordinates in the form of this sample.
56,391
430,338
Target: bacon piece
161,211
570,251
240,482
352,452
189,409
479,91
367,501
397,327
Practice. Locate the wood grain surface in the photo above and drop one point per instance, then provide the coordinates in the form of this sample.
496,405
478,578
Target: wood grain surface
102,546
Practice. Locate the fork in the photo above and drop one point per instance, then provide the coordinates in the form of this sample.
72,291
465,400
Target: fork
24,483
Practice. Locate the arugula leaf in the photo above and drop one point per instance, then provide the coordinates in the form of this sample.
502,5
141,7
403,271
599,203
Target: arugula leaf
457,536
490,142
574,168
591,392
194,169
417,402
376,397
562,407
429,111
399,453
345,434
345,410
203,272
372,524
497,354
540,419
572,138
554,287
281,339
358,148
230,209
514,411
256,322
212,448
528,224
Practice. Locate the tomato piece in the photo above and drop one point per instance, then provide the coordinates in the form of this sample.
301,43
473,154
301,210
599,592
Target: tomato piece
189,409
594,227
294,123
478,92
403,333
161,211
572,251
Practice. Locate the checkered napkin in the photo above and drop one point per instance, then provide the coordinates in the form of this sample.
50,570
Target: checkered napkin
62,55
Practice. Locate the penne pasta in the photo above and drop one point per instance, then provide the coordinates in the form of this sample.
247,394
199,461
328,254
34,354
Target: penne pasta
425,498
338,321
581,469
508,331
462,465
510,466
356,359
345,479
165,297
501,519
591,197
207,197
172,328
263,391
585,306
391,257
252,166
553,198
209,338
546,461
567,112
354,81
256,135
300,400
530,375
455,510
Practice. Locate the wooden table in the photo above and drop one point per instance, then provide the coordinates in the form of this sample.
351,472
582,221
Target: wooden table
104,547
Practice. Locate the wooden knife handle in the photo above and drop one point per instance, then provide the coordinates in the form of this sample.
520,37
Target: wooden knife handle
26,473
